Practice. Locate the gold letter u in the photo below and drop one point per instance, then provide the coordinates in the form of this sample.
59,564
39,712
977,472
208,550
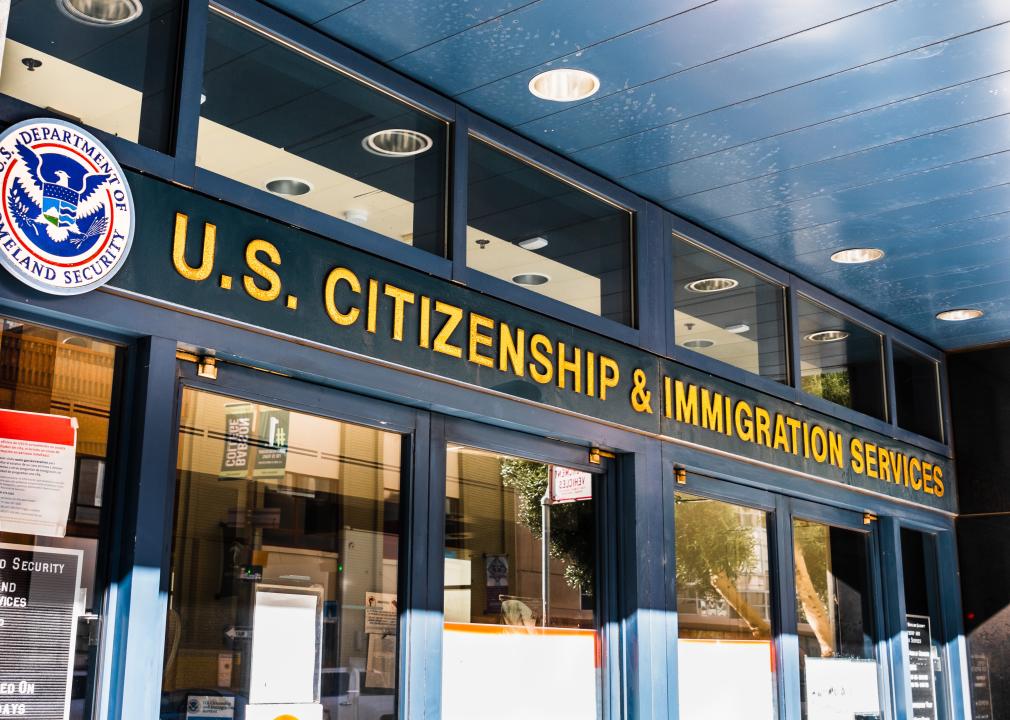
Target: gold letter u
179,250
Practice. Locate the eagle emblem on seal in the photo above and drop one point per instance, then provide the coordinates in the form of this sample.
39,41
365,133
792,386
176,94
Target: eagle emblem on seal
56,202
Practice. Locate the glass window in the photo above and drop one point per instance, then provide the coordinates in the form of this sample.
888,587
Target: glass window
110,65
840,361
284,563
52,372
280,120
834,609
529,228
926,666
502,630
917,392
725,664
728,313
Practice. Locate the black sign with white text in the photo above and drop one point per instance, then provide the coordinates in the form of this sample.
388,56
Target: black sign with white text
920,668
38,594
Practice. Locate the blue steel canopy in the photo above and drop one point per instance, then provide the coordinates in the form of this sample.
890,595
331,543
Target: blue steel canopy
792,128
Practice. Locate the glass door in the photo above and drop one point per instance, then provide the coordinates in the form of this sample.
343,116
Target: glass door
838,614
522,584
284,593
726,618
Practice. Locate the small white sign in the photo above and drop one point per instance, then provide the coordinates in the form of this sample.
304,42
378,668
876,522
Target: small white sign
37,458
841,688
209,707
569,485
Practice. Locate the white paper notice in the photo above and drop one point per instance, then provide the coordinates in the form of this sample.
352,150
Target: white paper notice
841,688
380,613
284,648
37,454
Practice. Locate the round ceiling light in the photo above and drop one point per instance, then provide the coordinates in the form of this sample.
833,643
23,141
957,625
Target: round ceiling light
105,13
959,314
738,329
397,142
530,279
855,256
698,343
564,85
827,336
711,285
288,186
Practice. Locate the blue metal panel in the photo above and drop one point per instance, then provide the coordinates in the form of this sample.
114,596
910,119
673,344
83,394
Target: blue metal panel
664,135
632,66
895,628
860,169
529,35
783,73
649,593
892,195
311,11
892,123
389,29
143,589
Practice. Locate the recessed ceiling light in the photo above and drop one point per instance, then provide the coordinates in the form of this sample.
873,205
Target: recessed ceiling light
698,343
397,143
564,85
530,279
827,336
288,186
533,243
854,256
106,13
738,329
958,314
711,285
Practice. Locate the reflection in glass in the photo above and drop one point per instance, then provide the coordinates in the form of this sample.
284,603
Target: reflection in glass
529,228
840,361
924,638
52,372
917,392
724,650
277,119
118,78
838,669
728,313
284,561
496,632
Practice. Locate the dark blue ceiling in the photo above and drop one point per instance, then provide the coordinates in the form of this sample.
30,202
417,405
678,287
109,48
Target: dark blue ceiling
793,128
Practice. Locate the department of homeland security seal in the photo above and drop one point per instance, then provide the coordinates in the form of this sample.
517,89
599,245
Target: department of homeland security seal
67,221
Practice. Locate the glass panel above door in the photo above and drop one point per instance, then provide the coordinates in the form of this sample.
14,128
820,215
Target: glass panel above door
532,229
109,65
283,121
840,360
728,313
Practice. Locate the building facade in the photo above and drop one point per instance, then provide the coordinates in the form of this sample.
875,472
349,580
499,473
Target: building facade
383,411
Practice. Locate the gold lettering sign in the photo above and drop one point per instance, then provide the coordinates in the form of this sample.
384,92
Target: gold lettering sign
353,301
